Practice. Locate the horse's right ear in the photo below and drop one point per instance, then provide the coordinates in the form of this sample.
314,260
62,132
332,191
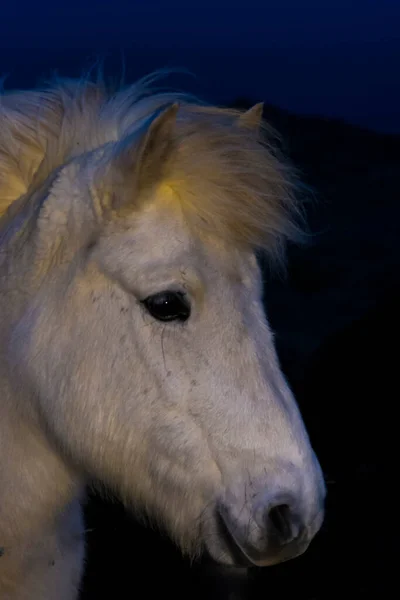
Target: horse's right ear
252,118
139,161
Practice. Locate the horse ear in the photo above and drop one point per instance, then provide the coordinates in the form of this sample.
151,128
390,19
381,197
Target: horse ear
252,118
139,161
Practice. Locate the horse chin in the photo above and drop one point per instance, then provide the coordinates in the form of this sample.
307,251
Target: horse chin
220,547
234,558
226,551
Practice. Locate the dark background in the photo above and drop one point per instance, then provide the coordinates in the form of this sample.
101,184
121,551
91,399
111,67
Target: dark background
335,58
328,72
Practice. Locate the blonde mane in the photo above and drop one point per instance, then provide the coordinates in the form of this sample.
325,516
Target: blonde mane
225,173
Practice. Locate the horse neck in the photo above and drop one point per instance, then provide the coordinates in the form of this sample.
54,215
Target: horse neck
30,469
31,466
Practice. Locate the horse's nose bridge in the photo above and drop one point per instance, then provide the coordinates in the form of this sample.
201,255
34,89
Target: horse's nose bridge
267,383
280,422
271,423
284,421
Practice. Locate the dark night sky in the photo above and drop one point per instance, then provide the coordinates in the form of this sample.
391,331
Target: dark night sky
331,57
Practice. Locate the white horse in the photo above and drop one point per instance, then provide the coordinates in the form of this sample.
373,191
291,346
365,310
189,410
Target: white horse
134,346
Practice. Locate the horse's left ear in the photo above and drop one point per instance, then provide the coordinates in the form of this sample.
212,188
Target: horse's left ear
139,161
252,118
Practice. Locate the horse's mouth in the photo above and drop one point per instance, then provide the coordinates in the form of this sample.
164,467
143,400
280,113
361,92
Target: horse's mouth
233,553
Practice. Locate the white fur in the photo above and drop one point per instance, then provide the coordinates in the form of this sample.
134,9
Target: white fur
174,417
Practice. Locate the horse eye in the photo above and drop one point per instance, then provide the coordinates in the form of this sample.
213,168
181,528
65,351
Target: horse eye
168,306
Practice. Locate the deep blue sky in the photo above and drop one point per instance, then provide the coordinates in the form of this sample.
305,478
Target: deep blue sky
331,57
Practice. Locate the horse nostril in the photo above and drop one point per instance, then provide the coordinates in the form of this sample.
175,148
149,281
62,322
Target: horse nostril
282,523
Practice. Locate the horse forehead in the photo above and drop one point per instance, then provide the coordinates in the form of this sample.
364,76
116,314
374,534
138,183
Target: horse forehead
160,227
170,242
162,236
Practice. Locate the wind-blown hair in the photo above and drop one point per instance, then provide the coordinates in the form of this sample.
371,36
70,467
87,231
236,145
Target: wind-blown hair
225,171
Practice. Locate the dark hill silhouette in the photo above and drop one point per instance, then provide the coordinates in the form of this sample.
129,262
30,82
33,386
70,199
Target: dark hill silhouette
353,256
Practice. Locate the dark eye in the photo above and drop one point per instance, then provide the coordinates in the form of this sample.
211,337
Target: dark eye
168,306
